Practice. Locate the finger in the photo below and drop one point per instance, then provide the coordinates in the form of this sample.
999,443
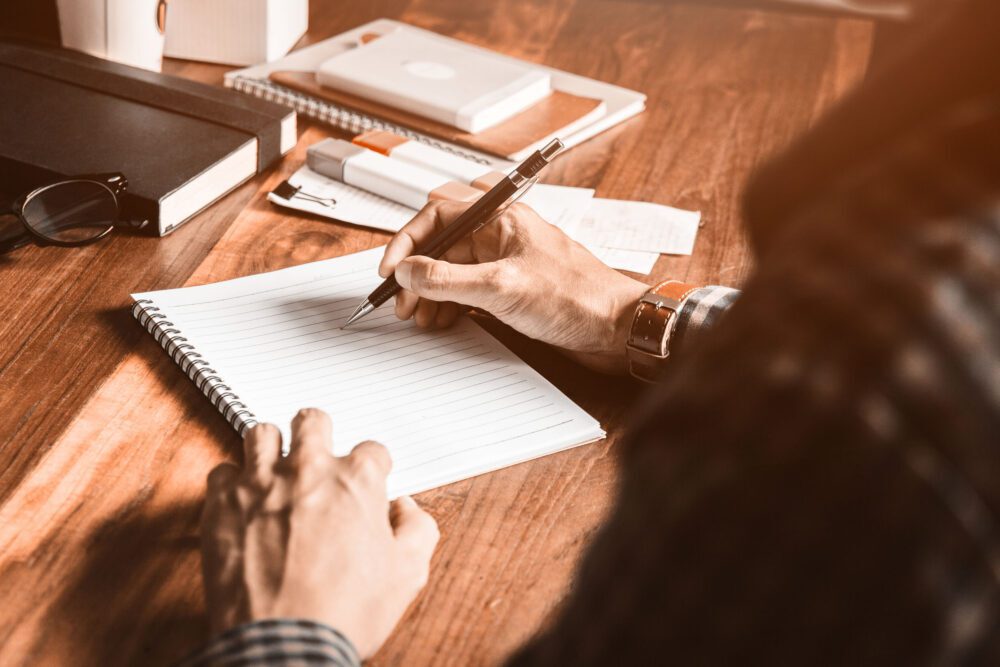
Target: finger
261,450
370,460
406,304
415,530
221,530
425,313
220,495
477,285
447,313
312,438
431,217
222,547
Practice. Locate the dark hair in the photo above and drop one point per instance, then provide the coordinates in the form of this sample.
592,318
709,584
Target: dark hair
818,479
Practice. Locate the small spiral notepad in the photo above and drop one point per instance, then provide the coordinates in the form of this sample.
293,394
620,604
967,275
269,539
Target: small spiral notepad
340,117
448,404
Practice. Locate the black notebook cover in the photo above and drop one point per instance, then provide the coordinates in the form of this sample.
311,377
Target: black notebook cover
181,144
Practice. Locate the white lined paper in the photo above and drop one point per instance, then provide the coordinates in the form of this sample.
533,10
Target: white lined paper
448,404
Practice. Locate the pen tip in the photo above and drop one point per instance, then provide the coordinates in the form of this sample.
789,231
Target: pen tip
358,313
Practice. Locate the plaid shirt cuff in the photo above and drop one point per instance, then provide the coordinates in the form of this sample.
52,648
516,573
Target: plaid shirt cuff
700,311
285,642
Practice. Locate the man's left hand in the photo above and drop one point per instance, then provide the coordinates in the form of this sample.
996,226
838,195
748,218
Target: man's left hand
312,536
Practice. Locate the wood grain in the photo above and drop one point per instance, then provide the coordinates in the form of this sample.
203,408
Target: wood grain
104,443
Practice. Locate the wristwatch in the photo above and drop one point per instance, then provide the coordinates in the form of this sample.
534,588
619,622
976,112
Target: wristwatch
655,319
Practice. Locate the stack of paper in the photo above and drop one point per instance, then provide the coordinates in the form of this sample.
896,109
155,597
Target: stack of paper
625,235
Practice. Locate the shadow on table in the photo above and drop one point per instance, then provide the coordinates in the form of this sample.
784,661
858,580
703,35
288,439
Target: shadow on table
136,599
125,330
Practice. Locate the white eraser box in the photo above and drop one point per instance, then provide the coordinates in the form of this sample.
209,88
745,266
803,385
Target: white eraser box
234,32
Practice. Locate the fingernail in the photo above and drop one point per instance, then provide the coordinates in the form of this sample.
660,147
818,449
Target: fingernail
403,271
407,500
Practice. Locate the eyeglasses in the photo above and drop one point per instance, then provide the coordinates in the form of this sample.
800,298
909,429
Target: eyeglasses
73,212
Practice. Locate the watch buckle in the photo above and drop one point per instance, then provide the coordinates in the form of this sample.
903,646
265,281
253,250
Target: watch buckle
661,302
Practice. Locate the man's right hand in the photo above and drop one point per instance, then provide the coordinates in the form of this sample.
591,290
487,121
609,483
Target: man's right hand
525,272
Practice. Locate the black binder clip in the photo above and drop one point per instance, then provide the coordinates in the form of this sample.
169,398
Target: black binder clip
287,191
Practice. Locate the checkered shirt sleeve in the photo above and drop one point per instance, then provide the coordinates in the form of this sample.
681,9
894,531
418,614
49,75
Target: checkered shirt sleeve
284,642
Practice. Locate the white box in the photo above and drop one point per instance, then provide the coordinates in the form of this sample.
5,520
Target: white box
449,83
125,31
234,32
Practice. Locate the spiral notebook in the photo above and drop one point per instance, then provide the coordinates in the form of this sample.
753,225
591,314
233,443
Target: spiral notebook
448,404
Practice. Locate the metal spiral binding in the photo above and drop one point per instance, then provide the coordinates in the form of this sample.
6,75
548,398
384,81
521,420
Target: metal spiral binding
194,365
341,117
190,358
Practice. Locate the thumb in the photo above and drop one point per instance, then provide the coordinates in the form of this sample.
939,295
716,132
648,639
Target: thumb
475,285
416,530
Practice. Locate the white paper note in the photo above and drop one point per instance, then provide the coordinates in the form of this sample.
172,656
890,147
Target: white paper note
561,205
352,204
623,234
448,404
639,226
626,260
565,207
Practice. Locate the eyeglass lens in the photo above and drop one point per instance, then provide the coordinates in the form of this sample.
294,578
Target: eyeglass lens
71,212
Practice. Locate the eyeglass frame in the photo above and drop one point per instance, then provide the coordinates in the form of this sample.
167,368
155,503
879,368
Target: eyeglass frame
115,183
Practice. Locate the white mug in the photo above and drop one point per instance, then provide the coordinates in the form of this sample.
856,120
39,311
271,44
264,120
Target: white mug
126,31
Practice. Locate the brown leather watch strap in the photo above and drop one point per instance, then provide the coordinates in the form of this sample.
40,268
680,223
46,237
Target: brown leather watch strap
655,318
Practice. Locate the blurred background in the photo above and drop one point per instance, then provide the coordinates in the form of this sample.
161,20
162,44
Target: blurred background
38,20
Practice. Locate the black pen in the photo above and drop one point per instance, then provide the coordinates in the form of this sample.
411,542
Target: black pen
481,212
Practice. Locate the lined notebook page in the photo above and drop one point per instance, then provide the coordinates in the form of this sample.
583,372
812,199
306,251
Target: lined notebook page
448,404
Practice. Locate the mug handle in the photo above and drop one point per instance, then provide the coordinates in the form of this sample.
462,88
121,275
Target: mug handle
161,16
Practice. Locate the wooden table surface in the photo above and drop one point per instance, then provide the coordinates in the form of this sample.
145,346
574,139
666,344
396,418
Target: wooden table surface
105,444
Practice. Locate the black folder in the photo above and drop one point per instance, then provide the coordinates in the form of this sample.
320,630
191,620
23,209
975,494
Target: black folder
181,144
